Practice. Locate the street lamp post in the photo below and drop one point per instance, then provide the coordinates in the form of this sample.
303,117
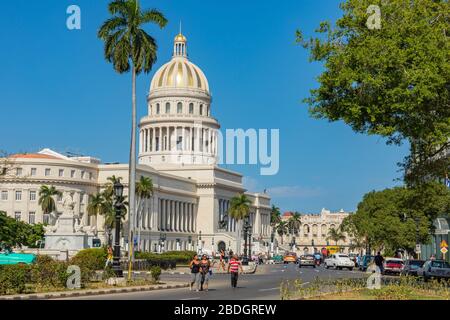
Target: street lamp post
162,238
272,238
312,244
199,249
118,206
245,258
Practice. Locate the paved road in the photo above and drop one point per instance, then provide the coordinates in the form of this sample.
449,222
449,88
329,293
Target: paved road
263,285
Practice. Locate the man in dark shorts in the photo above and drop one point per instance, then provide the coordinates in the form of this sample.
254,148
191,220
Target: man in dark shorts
233,267
379,262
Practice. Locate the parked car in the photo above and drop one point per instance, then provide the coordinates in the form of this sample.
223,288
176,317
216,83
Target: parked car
393,266
366,260
7,257
434,269
306,260
277,258
290,257
339,261
411,267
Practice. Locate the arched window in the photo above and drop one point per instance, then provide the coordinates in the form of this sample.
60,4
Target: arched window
324,230
201,109
315,230
191,108
167,107
207,111
157,108
306,229
179,107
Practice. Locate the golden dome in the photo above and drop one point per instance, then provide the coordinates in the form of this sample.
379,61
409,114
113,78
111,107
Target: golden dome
180,38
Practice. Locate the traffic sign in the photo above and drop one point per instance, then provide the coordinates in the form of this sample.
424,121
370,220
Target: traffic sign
444,250
444,244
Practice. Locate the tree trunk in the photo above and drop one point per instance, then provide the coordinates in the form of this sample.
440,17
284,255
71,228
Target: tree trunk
132,170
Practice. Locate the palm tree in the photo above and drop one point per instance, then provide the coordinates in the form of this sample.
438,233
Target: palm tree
144,191
96,206
295,221
46,200
282,228
275,215
128,46
109,213
239,207
336,235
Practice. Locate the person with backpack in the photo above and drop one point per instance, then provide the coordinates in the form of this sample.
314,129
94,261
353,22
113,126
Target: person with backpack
233,268
194,265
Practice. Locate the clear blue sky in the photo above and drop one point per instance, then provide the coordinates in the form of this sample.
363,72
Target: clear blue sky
57,91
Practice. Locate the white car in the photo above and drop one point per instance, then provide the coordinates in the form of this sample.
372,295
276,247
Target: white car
339,261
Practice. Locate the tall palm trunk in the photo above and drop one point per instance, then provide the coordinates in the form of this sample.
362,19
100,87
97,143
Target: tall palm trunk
132,172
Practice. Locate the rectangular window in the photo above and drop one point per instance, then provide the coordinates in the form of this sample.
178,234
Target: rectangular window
61,173
82,174
32,195
32,217
46,219
4,195
18,195
18,172
47,172
90,175
17,215
81,198
33,172
72,173
59,198
191,108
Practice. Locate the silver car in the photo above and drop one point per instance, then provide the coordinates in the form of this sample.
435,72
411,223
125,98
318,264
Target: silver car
437,269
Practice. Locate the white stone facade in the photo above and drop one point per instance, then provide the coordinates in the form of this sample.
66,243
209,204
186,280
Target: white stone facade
177,150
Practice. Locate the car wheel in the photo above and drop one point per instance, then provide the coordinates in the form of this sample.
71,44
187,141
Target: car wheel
351,269
327,266
314,267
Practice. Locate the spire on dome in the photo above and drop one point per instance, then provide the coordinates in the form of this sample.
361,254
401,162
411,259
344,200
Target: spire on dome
179,47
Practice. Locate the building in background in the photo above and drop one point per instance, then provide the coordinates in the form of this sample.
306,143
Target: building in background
312,235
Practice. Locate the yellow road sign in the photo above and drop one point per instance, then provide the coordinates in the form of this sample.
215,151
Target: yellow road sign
444,244
444,250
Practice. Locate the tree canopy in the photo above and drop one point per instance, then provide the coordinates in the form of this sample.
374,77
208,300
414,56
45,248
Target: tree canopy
15,233
392,81
395,218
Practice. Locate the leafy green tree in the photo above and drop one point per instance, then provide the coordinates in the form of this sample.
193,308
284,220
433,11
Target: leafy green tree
129,46
396,218
392,82
96,206
15,233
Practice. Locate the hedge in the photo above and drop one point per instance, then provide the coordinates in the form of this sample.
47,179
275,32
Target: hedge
89,261
13,278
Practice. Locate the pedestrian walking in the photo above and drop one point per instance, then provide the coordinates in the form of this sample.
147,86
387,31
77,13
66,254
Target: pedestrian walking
222,260
109,257
379,262
205,274
233,267
194,265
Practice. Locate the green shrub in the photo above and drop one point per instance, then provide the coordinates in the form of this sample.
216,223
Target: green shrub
46,272
156,273
89,261
13,278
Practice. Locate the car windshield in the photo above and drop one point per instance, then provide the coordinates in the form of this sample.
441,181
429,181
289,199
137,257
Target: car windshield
440,264
308,257
416,263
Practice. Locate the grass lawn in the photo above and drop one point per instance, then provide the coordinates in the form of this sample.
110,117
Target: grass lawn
385,294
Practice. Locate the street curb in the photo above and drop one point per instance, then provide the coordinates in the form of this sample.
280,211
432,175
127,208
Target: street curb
90,292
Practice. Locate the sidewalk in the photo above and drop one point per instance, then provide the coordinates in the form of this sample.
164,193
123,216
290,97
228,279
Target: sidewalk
93,292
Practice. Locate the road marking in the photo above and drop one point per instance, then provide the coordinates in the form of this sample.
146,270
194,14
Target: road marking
317,270
198,298
277,288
